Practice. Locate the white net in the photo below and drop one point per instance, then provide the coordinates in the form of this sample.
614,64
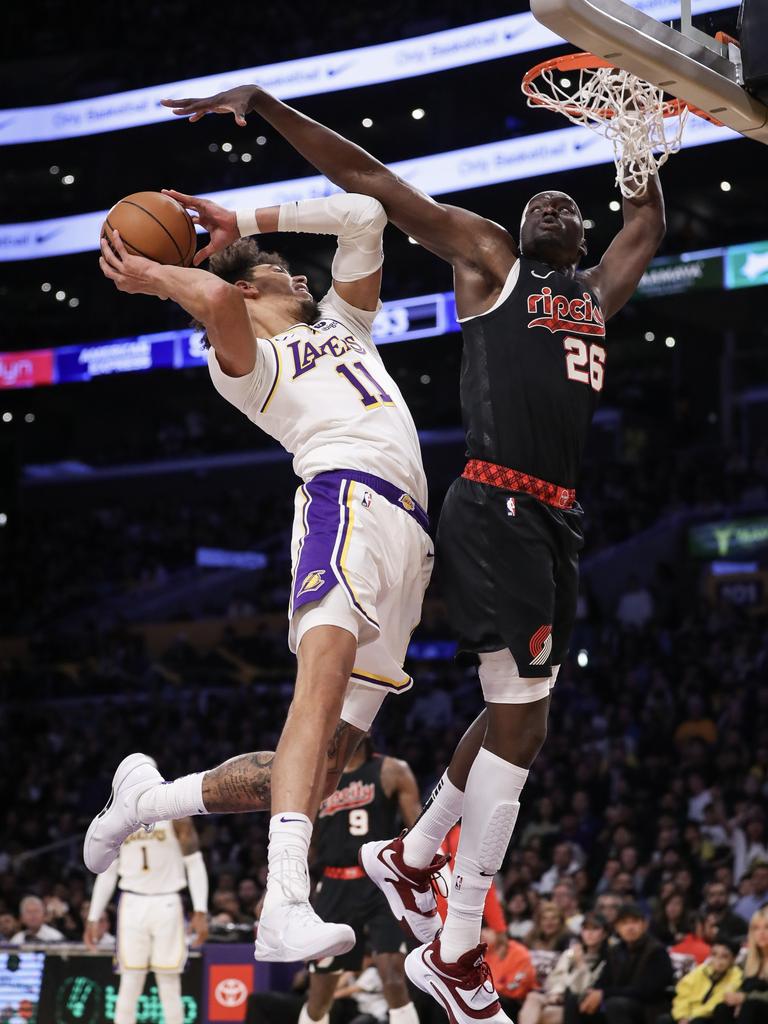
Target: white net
629,112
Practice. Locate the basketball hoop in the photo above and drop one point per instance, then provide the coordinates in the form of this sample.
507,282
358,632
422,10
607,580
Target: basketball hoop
643,127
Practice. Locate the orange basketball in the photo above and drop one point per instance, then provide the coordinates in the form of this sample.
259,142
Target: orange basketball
155,226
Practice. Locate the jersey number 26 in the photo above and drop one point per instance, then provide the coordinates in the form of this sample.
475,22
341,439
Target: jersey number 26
584,363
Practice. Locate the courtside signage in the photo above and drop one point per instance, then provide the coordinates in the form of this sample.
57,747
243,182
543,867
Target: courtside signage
308,76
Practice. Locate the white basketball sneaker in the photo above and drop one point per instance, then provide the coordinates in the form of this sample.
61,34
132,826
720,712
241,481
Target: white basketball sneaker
293,931
465,990
111,827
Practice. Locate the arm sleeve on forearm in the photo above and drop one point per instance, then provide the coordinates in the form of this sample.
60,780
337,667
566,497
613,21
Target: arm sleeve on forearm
103,888
197,881
357,221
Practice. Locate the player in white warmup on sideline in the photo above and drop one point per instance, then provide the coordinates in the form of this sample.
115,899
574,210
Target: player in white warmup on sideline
150,871
309,375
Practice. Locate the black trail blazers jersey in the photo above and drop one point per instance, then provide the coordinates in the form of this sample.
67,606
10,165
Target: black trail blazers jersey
356,813
532,372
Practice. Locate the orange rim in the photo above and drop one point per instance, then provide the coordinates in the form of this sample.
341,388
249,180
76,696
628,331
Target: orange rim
589,62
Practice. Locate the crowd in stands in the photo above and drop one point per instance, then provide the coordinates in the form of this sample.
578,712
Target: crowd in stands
651,788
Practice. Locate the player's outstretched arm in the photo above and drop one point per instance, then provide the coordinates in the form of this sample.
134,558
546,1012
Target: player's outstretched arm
618,274
454,234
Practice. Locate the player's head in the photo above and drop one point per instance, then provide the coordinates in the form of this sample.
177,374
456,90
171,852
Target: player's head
552,230
265,279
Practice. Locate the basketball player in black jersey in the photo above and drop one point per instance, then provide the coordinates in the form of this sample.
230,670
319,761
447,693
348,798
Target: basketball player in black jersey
533,368
373,794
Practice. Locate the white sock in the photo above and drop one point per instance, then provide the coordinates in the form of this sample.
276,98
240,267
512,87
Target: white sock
491,806
288,875
403,1014
304,1017
440,814
169,801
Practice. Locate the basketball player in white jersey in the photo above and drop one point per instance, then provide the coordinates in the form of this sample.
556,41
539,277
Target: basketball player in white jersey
310,376
150,871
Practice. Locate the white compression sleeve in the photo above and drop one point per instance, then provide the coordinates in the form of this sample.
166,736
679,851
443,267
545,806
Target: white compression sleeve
103,888
357,221
197,881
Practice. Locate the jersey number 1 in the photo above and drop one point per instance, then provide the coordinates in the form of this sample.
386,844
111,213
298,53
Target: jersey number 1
370,401
585,363
144,859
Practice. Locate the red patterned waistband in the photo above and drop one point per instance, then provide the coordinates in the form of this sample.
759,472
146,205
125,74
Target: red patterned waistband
513,480
347,874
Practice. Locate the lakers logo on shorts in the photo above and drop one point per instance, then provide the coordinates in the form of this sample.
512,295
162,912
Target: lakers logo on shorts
312,581
540,645
407,502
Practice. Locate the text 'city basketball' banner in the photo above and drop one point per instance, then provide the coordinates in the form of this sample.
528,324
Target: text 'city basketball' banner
460,169
402,320
308,76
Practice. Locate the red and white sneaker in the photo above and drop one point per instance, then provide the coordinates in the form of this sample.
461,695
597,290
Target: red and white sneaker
465,990
408,890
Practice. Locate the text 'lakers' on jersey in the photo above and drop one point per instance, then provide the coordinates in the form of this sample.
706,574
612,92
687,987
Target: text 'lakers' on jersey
358,812
324,393
532,371
151,863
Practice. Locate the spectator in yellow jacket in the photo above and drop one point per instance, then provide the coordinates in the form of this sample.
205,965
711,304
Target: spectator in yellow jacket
702,989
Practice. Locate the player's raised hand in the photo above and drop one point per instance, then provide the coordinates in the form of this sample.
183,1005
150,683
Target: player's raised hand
235,101
129,273
220,224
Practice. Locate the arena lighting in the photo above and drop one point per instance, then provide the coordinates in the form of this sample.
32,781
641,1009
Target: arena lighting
670,342
29,417
3,518
418,113
7,417
60,296
226,147
455,171
614,205
582,659
45,286
725,186
589,223
308,76
68,179
650,336
367,122
261,140
246,158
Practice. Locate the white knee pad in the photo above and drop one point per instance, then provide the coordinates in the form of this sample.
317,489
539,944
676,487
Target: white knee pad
361,704
495,839
502,683
131,987
169,990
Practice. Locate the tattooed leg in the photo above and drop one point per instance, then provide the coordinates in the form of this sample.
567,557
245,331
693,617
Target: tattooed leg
242,783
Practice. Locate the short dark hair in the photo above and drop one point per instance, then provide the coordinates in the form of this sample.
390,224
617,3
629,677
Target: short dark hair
732,944
236,262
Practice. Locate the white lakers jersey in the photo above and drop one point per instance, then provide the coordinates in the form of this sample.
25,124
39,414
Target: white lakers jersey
152,863
323,392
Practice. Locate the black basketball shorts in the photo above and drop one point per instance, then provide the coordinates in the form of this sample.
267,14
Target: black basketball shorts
508,569
360,904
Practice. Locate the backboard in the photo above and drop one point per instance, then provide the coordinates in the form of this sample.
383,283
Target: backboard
685,63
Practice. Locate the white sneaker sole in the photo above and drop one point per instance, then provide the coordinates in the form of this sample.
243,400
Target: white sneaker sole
431,983
96,853
420,928
333,943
